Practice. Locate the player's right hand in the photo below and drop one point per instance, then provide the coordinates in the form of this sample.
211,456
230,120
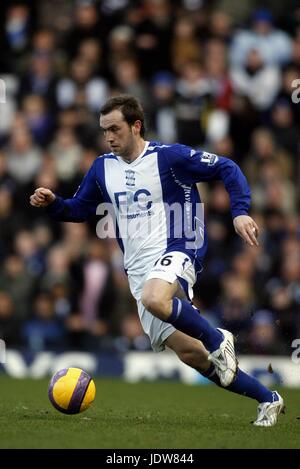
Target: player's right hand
42,197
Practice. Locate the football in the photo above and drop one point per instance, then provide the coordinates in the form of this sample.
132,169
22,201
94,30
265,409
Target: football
71,390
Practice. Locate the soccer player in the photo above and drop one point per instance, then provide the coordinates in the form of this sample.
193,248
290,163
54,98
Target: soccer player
152,190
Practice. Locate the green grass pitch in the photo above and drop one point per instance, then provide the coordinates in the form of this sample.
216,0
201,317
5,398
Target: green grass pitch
144,415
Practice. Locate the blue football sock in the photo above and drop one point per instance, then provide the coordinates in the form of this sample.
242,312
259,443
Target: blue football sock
187,319
243,384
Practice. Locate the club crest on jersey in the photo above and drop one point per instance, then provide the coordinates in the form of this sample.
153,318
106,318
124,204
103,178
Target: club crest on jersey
209,158
130,178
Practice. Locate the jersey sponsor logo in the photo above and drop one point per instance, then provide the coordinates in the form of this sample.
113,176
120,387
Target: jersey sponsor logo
209,158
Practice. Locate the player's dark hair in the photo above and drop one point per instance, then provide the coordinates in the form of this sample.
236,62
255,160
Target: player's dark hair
130,108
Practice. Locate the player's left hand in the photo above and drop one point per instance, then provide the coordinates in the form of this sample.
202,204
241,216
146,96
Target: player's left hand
246,228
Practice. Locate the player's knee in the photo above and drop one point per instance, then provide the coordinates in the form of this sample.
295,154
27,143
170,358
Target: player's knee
158,306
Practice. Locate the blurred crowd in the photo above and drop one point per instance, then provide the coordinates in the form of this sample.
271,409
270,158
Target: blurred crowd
210,74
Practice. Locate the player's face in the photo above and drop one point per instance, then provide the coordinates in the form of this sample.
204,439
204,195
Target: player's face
118,134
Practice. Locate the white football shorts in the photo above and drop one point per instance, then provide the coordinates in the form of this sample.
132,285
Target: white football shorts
171,266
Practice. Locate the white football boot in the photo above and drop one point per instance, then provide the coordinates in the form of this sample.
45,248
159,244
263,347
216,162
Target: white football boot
268,412
224,359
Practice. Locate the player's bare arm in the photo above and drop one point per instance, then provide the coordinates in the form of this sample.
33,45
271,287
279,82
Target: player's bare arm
42,197
247,229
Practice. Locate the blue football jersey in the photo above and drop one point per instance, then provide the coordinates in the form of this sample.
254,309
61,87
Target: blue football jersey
155,200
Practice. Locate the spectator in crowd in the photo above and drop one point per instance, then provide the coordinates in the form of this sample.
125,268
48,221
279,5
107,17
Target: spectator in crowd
18,283
128,80
43,331
193,100
263,335
38,119
24,157
66,152
10,326
162,111
82,88
257,80
185,46
274,44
